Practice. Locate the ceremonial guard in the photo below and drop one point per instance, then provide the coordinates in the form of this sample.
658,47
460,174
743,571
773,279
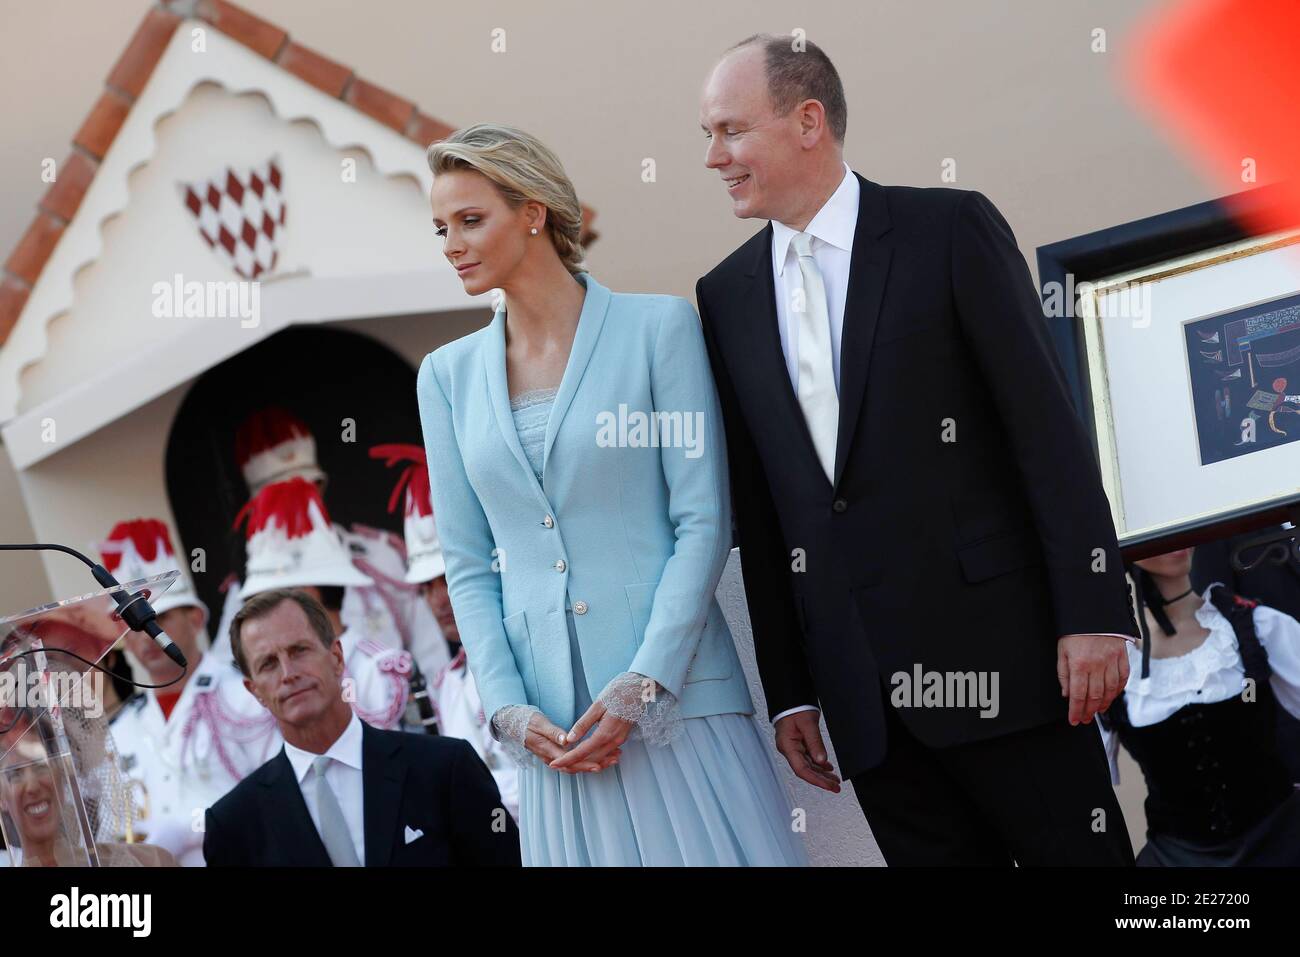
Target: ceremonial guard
292,544
185,745
273,445
455,697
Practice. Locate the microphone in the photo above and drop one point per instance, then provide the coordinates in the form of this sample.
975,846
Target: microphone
133,608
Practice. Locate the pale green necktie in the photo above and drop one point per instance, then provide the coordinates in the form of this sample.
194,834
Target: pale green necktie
334,833
817,396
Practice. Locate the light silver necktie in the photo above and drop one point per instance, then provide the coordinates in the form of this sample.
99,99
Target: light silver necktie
817,396
334,833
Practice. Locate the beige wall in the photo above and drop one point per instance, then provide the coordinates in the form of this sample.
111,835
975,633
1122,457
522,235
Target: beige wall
1010,90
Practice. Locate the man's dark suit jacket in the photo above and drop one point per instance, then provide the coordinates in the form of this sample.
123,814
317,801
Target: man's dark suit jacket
436,785
966,529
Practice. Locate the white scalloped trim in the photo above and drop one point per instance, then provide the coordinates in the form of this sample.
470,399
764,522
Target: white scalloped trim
236,69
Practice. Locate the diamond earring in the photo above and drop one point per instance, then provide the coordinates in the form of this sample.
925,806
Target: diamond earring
533,230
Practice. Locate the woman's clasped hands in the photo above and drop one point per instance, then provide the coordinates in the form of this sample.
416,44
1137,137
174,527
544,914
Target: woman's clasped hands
561,749
595,741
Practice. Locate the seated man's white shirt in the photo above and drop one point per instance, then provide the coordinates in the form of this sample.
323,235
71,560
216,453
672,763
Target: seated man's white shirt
344,778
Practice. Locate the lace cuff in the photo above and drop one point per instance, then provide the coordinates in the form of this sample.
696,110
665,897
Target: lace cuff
634,697
509,725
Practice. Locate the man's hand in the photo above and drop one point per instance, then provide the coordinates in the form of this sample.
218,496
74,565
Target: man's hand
1093,670
799,738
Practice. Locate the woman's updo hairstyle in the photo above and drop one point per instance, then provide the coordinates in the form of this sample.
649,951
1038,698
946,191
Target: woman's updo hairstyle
522,168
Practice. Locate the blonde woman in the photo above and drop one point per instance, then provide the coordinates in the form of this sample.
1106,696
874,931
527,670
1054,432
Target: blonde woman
579,484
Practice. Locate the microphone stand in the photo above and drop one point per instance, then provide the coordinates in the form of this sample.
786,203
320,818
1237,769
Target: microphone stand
133,608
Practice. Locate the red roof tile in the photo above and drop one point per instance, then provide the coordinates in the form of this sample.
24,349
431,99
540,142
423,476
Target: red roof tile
127,80
137,61
29,256
321,72
239,24
70,184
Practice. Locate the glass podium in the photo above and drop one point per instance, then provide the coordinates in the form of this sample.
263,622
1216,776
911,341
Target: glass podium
64,799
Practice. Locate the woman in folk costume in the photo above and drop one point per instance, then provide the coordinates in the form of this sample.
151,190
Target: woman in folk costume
185,745
1217,677
273,445
292,544
583,560
456,702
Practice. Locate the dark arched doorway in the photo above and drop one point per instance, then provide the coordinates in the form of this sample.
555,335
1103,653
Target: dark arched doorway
322,375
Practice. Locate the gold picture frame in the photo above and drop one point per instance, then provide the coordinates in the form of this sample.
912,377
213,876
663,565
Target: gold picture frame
1137,284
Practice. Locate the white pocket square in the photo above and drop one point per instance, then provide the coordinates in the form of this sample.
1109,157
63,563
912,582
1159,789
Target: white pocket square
412,834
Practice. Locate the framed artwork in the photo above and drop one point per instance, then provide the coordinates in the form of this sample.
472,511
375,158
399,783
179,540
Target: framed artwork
1180,337
1249,355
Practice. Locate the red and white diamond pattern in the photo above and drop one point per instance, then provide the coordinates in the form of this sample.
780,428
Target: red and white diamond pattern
241,216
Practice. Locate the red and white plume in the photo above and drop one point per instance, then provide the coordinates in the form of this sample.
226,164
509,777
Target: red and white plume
272,445
142,548
291,541
424,561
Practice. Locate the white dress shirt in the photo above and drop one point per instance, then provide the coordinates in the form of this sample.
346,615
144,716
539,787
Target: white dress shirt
832,229
344,778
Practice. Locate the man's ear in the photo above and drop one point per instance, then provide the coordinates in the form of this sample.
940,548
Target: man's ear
336,652
812,118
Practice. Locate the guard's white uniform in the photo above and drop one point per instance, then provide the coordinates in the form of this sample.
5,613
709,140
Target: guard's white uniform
216,735
377,678
391,612
460,715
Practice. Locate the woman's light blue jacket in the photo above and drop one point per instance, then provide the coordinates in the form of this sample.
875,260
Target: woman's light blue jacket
631,522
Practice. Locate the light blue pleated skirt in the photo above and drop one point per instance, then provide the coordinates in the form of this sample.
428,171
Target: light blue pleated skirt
712,797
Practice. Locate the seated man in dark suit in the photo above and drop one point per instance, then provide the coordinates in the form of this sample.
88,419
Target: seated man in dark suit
343,793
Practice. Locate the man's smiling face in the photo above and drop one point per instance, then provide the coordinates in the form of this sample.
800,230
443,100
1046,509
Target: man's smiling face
756,153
